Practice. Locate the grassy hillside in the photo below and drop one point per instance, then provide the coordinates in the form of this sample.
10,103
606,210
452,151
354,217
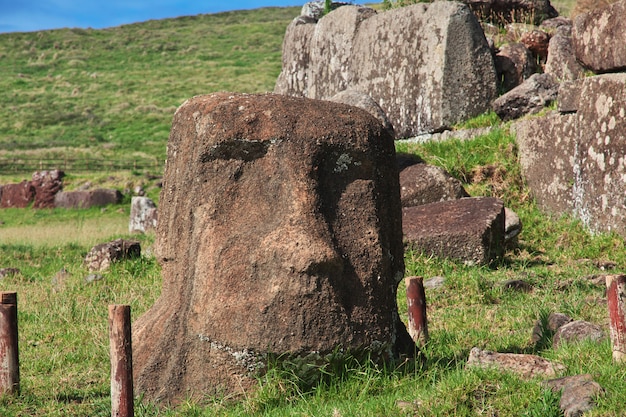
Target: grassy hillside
111,93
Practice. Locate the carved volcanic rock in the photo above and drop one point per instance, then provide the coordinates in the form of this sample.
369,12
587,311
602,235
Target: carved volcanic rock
279,233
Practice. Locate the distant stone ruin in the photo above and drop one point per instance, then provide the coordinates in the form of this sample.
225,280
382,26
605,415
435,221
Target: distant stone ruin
279,234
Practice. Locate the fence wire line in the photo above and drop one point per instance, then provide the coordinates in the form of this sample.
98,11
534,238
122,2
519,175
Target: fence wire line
15,165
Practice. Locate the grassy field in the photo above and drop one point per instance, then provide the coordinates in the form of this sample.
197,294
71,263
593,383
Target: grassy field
111,94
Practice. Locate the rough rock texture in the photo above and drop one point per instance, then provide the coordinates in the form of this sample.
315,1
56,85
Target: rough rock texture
598,38
574,162
578,393
423,184
17,195
527,366
469,229
47,184
314,10
512,226
514,64
8,272
507,11
555,321
427,66
537,42
562,62
528,98
365,102
279,233
101,256
86,199
576,331
143,215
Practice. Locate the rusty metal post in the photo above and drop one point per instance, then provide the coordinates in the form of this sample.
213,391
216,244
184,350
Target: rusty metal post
9,352
616,301
416,301
122,404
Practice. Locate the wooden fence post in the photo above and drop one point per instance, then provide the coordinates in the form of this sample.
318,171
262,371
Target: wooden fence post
416,301
121,361
9,352
616,301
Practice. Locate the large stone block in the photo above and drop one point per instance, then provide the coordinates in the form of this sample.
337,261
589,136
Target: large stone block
576,162
598,38
279,234
427,66
87,198
424,184
470,230
17,195
561,62
47,184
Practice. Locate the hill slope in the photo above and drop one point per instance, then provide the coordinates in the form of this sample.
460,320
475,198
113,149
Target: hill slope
111,93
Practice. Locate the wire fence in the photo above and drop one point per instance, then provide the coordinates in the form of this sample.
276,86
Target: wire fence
20,165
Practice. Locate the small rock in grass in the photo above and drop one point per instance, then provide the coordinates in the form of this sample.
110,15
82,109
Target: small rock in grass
576,331
92,278
6,272
434,282
578,393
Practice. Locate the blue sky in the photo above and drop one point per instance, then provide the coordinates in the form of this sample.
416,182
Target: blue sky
31,15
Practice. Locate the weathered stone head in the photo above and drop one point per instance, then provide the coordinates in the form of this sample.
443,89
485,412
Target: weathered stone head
279,232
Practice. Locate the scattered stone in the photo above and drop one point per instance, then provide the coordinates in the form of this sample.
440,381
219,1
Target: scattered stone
537,42
604,265
101,256
514,64
470,230
279,234
138,190
598,38
17,195
578,393
434,282
460,134
365,102
555,321
143,215
561,61
314,10
530,97
597,280
93,278
526,366
86,199
428,66
46,184
59,279
577,331
9,272
512,226
517,285
407,406
423,184
553,24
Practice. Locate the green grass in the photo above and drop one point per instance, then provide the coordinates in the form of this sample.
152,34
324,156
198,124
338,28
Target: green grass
111,94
